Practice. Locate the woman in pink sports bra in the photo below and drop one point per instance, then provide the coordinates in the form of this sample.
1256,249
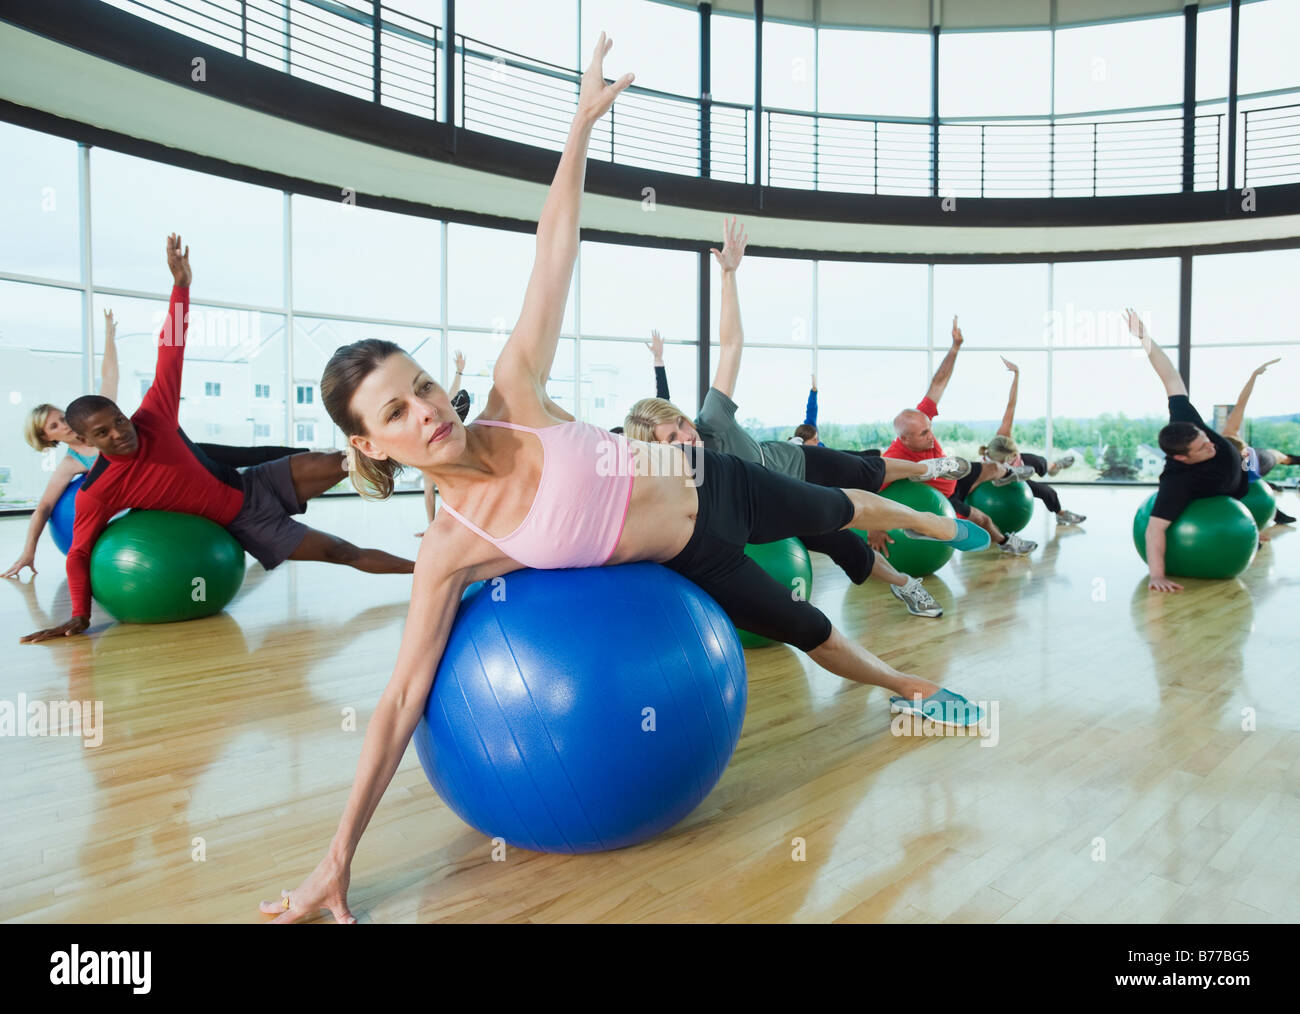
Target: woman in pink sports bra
525,485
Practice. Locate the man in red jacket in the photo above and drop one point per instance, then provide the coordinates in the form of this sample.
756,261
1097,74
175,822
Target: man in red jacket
147,462
915,441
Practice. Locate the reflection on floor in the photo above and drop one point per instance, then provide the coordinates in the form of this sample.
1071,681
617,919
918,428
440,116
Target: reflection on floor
1146,766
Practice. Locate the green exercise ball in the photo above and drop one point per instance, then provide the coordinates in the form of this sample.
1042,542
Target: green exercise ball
1214,538
917,557
788,562
1261,503
1011,506
160,567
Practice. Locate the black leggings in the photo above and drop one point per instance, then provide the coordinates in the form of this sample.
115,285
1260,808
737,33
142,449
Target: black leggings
843,469
739,503
243,457
1041,490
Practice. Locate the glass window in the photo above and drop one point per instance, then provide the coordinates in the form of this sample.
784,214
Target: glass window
1269,32
771,391
628,291
234,230
997,305
1089,299
1020,87
39,205
873,73
546,31
487,274
776,297
658,43
1212,53
732,58
1107,408
212,389
40,355
858,395
972,406
789,66
871,304
361,262
305,433
617,374
1246,298
1120,65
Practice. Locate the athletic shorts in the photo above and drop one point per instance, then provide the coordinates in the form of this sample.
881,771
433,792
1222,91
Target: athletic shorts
263,525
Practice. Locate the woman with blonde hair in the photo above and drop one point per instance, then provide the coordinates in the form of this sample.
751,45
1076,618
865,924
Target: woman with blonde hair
1003,450
1259,461
550,492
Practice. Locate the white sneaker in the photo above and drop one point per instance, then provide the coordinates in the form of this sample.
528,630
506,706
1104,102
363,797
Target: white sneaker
943,468
1061,464
1015,473
919,602
1064,517
1016,546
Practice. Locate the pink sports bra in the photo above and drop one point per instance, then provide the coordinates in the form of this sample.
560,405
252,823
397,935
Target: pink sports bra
582,499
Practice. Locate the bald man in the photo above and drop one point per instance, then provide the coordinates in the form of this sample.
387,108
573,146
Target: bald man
915,441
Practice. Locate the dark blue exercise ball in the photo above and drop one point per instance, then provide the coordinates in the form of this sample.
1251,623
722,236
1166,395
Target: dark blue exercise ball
583,710
61,518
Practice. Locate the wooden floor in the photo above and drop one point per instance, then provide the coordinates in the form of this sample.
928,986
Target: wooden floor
1119,725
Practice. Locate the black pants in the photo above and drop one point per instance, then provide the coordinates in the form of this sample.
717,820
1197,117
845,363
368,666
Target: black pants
1041,490
244,457
740,503
844,469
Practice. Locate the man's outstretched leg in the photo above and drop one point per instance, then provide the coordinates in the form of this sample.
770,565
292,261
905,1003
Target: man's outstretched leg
326,548
316,471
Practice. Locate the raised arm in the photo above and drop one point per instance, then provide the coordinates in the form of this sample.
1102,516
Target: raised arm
1165,370
108,374
810,413
1232,427
939,383
1009,416
731,336
454,386
164,394
525,361
435,598
656,347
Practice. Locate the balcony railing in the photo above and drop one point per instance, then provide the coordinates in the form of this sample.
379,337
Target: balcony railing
377,53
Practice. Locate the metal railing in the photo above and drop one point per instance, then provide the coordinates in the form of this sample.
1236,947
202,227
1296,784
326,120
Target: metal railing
375,52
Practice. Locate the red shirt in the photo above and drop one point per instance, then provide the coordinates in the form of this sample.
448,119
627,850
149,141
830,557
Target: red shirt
166,473
900,450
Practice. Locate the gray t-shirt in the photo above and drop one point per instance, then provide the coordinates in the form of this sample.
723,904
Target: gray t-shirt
720,432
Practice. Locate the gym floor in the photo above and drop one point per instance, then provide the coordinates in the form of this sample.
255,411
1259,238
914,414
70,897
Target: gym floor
1121,786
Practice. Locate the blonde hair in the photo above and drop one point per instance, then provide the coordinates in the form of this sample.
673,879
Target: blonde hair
34,427
1000,449
646,414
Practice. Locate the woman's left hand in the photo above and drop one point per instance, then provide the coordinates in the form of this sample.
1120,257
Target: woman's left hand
595,96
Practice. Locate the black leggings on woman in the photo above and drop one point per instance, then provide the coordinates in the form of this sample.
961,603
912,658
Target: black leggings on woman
1041,490
243,457
824,466
740,503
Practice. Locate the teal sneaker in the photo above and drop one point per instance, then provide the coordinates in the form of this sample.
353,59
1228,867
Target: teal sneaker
970,537
942,707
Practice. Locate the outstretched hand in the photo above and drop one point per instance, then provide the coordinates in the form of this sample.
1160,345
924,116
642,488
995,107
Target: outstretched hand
595,96
74,626
733,245
1010,365
1259,370
957,339
326,888
656,347
110,326
1136,328
178,263
460,362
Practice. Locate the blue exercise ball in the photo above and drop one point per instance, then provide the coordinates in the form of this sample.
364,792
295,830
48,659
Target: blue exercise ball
583,710
61,518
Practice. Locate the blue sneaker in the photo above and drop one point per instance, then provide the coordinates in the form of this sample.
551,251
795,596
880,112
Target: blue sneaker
942,707
970,537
